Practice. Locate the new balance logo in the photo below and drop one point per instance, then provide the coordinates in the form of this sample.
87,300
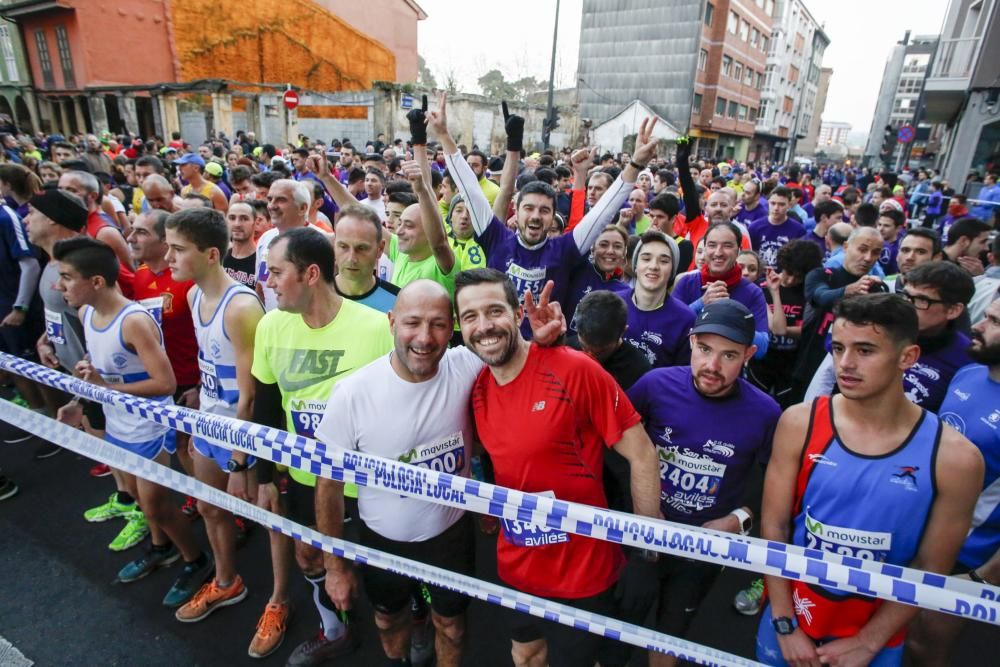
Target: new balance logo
538,407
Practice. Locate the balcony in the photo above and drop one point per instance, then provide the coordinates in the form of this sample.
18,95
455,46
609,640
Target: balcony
948,81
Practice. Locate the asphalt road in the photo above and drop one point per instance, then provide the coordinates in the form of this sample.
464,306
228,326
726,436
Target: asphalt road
58,604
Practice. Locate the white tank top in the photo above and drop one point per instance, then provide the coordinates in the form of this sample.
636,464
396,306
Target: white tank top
116,363
216,355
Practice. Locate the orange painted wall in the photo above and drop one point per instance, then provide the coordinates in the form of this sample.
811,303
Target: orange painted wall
276,41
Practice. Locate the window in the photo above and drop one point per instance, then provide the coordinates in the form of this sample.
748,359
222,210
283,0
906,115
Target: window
793,74
709,14
754,37
738,71
734,23
696,104
702,59
800,42
789,103
769,7
44,62
763,43
753,115
733,107
762,112
743,112
65,59
744,30
760,81
720,106
727,66
8,52
748,77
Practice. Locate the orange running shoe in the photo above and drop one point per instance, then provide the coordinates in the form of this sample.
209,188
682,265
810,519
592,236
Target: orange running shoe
209,598
270,630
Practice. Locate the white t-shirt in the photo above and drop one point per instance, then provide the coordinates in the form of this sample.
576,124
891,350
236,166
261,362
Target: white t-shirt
428,424
376,205
270,301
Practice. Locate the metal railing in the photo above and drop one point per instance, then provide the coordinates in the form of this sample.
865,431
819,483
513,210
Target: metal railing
956,58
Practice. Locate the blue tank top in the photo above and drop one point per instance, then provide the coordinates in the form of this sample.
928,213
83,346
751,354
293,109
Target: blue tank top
869,507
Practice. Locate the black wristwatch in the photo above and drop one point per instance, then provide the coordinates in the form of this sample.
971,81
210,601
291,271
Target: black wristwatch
233,466
784,625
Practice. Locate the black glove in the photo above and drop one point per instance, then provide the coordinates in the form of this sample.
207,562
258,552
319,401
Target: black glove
514,125
683,152
637,588
418,124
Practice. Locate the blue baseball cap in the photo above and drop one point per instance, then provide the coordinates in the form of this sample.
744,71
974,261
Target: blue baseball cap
191,158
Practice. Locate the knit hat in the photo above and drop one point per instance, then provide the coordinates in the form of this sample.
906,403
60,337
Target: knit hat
660,236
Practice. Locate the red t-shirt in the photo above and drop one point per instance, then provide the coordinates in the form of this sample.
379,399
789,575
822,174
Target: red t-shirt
546,432
174,317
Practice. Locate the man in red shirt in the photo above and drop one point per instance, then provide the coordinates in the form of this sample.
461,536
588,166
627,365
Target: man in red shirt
545,416
85,186
166,299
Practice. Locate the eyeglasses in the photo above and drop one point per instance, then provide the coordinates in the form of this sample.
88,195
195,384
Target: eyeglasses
921,302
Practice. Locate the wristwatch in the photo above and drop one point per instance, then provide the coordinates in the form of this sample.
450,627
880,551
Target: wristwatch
233,466
784,625
745,518
23,309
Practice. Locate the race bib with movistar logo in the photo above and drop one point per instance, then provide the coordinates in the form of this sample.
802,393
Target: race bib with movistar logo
306,416
869,545
444,455
522,534
54,327
689,481
526,279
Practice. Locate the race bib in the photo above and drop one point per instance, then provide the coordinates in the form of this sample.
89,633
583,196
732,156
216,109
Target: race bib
445,455
154,305
262,272
526,279
689,481
209,379
522,534
54,327
306,416
865,544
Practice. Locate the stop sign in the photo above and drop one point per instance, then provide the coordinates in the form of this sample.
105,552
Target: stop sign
291,99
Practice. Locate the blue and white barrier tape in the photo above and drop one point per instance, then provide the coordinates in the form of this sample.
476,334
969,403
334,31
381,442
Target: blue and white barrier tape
936,592
120,458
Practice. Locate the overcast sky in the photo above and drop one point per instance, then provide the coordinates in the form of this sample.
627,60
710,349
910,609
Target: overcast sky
467,39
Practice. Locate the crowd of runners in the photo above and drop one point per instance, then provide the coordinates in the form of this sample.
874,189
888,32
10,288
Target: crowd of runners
642,331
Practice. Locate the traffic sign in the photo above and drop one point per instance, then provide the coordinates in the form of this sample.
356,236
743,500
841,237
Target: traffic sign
406,101
906,134
291,99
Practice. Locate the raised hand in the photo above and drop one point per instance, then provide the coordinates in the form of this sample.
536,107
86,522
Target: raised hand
645,143
437,120
546,318
514,126
414,174
683,152
418,123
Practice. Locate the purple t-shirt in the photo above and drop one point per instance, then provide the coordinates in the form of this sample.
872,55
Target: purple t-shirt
926,382
767,239
887,260
661,334
584,280
813,237
748,217
688,290
707,446
530,268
